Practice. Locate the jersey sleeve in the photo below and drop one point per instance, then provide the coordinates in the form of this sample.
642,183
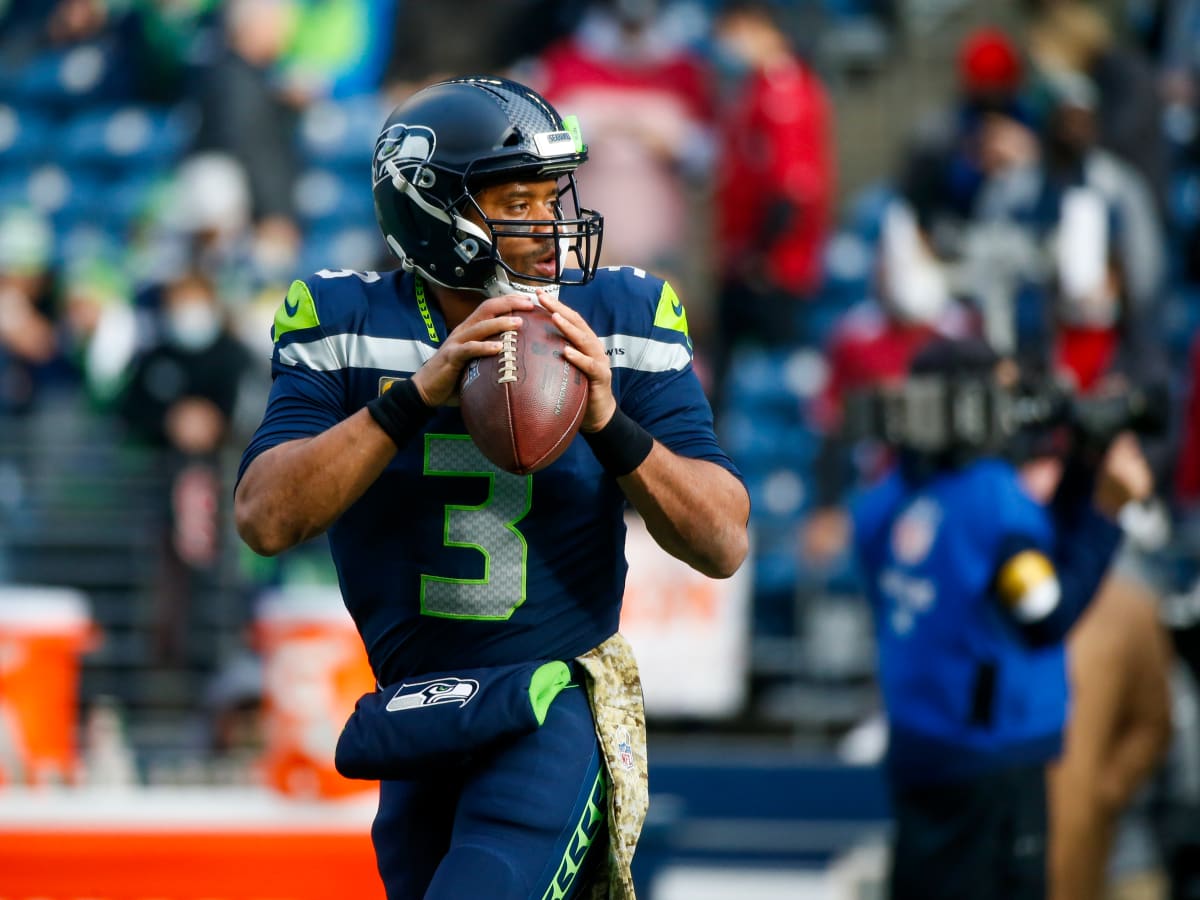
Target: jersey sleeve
1050,562
308,388
660,389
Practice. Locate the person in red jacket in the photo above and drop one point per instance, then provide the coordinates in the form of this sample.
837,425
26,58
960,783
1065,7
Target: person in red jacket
775,183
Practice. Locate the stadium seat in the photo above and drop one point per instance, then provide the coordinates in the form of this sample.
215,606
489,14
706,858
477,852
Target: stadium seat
46,189
353,247
25,135
129,135
330,198
865,217
112,204
77,77
342,133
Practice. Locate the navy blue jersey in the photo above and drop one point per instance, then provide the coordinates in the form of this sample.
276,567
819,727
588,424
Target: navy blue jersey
447,561
961,687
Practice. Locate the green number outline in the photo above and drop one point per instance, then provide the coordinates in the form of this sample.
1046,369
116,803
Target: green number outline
490,472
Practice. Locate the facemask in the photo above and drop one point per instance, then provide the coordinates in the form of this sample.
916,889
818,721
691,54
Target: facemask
192,324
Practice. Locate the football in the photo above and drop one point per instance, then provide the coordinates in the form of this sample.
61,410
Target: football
523,406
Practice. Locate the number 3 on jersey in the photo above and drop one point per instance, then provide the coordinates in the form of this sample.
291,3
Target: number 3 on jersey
490,528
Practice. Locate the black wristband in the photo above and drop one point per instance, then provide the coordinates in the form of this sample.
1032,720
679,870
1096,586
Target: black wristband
621,445
400,411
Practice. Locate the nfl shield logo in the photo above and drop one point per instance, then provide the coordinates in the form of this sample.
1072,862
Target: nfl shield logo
624,748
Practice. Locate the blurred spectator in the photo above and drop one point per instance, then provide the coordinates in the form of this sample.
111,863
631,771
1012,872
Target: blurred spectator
206,225
1075,37
339,49
101,330
985,132
244,110
1068,174
872,345
775,182
179,400
435,41
644,101
28,343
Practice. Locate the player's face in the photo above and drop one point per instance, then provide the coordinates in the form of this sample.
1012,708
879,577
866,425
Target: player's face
535,202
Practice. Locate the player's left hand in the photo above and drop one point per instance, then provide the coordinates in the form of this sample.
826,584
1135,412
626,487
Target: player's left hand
586,353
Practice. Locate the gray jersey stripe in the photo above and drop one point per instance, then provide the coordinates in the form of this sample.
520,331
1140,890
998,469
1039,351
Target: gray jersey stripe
358,351
625,351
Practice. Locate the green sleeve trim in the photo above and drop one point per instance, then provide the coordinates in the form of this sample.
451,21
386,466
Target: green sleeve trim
297,311
547,682
670,313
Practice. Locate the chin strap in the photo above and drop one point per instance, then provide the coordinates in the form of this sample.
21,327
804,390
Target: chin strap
503,284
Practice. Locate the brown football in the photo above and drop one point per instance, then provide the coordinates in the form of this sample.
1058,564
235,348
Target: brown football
523,406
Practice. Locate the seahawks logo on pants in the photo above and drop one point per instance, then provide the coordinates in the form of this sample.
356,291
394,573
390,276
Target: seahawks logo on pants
432,693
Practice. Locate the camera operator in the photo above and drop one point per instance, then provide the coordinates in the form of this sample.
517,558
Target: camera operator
974,586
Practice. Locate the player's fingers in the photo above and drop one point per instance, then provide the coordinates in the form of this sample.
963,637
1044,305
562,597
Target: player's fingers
586,363
485,328
576,329
500,306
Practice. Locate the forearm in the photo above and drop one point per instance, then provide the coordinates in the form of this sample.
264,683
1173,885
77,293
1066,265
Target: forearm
296,490
695,510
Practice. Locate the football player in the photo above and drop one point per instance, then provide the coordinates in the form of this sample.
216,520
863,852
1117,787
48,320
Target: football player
488,602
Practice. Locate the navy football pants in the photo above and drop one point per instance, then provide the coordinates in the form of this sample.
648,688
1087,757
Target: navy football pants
525,823
983,839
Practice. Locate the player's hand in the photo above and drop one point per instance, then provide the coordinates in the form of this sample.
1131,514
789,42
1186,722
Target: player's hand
586,353
476,335
1124,476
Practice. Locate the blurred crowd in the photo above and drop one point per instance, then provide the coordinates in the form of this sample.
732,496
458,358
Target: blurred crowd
167,168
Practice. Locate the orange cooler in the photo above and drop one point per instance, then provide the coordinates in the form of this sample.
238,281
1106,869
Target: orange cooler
315,668
43,632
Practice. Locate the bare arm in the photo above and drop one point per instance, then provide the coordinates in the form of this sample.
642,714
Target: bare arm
296,490
693,508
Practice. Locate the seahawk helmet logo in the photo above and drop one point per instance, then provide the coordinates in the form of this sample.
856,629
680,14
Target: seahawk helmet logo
433,693
407,147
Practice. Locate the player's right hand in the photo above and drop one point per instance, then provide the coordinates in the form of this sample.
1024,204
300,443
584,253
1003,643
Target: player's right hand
476,335
1124,476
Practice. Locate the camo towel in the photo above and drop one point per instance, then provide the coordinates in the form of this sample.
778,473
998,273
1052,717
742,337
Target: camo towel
615,689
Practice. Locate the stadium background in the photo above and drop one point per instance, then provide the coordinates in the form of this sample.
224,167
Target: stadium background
763,772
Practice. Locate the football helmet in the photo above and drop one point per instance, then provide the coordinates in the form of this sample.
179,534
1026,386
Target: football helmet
441,145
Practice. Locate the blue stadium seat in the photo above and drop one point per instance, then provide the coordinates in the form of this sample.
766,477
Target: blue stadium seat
867,208
111,204
331,198
77,77
342,133
1183,198
779,495
131,136
1181,319
353,247
764,380
25,135
47,189
848,268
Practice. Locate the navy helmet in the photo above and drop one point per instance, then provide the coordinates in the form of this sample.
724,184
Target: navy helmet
443,144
